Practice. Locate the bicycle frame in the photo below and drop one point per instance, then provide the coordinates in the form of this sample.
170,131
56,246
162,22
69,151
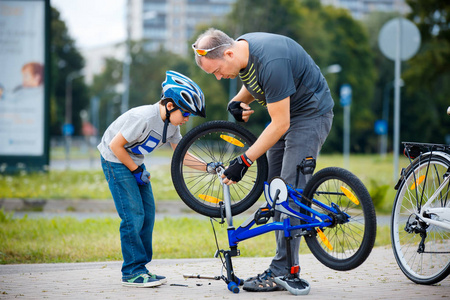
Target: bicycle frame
425,209
441,212
245,231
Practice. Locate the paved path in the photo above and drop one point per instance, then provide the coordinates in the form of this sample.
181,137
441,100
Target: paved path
378,278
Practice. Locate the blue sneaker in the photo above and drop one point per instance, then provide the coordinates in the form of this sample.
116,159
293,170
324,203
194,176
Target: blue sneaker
162,279
142,280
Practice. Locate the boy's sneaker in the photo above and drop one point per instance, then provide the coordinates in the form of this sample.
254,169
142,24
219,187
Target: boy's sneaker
161,278
295,286
143,280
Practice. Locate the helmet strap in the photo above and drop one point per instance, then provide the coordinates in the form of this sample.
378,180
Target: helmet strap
166,122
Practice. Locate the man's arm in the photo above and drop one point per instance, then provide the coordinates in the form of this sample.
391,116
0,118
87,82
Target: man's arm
280,115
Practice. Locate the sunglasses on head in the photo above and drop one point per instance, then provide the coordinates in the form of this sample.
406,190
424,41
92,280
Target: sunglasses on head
203,52
185,113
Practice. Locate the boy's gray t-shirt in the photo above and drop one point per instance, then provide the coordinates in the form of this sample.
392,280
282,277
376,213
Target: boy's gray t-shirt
279,67
142,127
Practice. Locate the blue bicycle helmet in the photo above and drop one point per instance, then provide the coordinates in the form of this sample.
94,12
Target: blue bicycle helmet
186,94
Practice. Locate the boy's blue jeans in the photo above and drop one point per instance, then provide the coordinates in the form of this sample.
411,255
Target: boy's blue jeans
136,207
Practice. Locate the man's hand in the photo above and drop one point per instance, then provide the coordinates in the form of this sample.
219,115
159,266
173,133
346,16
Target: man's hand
142,176
240,111
237,169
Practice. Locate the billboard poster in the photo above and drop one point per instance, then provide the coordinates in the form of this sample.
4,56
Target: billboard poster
22,80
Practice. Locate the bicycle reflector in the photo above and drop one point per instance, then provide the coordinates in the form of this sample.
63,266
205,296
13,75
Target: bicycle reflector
350,195
210,199
324,239
231,140
417,182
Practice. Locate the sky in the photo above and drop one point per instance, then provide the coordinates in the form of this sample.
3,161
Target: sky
93,23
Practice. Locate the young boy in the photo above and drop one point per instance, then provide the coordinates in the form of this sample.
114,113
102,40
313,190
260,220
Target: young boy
137,132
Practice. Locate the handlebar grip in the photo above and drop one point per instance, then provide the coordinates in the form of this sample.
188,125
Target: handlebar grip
448,111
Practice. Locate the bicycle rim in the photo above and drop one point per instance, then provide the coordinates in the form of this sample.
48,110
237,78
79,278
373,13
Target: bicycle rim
220,142
347,245
433,264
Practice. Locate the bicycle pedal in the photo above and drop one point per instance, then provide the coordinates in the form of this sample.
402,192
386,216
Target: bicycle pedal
263,214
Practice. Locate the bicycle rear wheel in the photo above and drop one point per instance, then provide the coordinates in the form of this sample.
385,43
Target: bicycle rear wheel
346,244
432,264
218,142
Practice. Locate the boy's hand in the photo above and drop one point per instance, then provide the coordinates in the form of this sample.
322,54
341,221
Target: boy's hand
237,169
212,166
142,176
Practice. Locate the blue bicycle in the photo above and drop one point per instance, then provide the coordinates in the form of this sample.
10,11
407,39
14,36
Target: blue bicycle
336,210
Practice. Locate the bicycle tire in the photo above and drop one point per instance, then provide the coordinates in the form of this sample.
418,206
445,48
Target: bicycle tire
350,243
220,142
432,265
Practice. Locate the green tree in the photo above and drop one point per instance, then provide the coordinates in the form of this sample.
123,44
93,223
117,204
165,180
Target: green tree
147,72
330,36
351,50
384,89
427,75
65,59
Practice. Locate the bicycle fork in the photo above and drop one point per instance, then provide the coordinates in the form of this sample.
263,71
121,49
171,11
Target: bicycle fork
232,281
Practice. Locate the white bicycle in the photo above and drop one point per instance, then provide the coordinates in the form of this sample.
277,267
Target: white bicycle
420,223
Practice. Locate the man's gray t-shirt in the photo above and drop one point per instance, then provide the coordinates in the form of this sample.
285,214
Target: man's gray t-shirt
279,67
142,127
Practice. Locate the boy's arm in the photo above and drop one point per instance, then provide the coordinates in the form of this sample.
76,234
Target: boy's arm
192,161
117,147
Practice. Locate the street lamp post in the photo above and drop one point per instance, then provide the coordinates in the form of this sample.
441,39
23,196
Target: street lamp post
68,126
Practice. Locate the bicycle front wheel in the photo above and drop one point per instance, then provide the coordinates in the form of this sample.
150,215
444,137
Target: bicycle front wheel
422,250
348,242
216,142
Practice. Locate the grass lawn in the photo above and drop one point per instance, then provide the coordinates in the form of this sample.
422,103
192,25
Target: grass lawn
374,171
26,240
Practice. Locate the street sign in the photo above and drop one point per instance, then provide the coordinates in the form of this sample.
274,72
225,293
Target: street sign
403,30
399,39
380,127
346,94
68,129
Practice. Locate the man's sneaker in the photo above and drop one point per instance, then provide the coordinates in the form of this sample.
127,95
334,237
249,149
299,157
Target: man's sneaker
161,278
262,283
295,286
143,280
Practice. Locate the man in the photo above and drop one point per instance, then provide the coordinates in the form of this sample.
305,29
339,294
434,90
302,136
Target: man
279,74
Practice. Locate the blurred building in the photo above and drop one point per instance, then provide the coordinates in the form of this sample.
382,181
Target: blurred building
361,8
169,24
95,59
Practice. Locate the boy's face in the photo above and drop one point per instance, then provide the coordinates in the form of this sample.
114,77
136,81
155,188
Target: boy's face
176,117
